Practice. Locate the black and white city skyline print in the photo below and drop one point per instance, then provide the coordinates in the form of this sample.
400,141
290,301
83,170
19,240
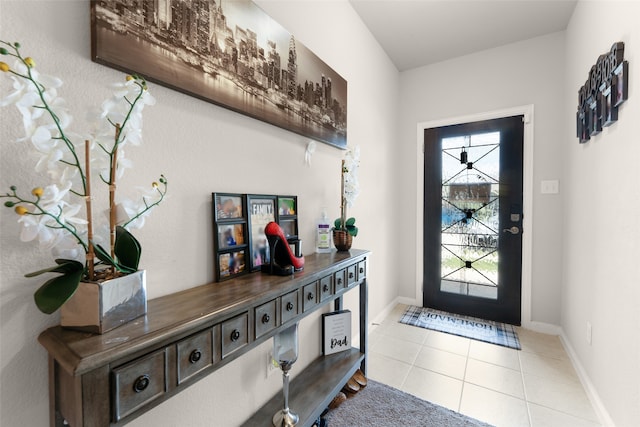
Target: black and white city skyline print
228,52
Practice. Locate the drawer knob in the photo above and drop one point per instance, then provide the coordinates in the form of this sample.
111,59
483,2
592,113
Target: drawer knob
325,288
361,270
266,318
141,383
351,275
310,296
195,356
235,335
339,280
289,306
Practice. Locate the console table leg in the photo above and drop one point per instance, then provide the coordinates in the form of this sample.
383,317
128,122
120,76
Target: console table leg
55,419
364,325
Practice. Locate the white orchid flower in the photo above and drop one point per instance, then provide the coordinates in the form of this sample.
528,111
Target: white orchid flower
67,248
133,136
20,87
351,184
122,89
49,161
147,99
55,215
123,164
146,197
31,227
53,194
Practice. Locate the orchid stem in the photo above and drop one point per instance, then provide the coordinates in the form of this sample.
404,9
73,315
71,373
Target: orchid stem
112,196
90,253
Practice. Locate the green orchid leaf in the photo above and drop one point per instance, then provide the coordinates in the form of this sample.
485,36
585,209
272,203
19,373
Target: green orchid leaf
55,292
350,222
337,223
127,249
103,255
353,230
65,266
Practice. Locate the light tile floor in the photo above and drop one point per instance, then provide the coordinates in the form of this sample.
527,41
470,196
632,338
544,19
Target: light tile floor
534,387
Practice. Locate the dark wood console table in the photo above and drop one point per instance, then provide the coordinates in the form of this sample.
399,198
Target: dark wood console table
110,379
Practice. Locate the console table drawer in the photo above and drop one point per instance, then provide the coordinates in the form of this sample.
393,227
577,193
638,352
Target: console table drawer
289,306
265,318
235,334
194,354
362,270
309,296
325,288
138,383
351,275
339,280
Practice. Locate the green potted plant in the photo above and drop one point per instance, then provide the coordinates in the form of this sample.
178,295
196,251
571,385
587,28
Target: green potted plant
58,211
344,229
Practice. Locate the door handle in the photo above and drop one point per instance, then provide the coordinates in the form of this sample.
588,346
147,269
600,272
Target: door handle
512,230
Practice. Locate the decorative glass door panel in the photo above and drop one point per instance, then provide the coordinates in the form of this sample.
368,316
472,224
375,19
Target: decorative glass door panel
473,217
470,214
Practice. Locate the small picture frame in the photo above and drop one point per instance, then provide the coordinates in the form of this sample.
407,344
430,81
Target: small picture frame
230,235
287,206
228,206
336,332
261,211
231,264
288,216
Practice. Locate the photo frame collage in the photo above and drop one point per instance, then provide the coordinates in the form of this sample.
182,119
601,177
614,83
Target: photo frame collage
240,245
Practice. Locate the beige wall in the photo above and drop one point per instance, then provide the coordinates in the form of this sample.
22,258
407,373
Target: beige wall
578,276
519,74
600,232
201,148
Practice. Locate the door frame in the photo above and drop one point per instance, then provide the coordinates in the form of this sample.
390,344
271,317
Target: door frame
527,196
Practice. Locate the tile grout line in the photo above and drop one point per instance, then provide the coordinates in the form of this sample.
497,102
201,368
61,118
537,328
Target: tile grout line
524,390
464,378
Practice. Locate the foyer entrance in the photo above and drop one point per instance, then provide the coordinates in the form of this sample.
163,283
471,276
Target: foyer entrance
473,213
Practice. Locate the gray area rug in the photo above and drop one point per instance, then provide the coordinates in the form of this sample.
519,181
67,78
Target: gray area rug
378,405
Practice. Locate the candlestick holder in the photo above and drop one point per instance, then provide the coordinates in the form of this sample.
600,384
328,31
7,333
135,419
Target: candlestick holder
285,352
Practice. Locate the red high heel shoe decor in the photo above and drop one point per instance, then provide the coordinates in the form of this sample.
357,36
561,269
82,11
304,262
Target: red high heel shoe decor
282,260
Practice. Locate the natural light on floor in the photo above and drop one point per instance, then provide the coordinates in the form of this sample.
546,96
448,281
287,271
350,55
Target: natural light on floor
536,386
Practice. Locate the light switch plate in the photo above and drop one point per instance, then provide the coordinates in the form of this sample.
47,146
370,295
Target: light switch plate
549,187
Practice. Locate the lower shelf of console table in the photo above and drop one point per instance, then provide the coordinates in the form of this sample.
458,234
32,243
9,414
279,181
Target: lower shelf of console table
111,379
313,389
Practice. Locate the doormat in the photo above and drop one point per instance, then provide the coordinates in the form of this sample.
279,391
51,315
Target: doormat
464,326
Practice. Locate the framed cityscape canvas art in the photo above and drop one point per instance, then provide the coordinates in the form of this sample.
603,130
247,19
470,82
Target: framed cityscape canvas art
230,53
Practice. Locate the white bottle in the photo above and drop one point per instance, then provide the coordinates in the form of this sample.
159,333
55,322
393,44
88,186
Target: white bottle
323,233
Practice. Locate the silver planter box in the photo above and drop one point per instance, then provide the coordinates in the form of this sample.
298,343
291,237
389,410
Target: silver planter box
99,307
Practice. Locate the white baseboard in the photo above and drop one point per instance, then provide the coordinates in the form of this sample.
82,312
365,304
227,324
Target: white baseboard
543,328
408,301
592,394
385,312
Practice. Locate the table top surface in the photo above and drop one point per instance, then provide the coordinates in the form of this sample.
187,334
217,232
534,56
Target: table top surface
180,313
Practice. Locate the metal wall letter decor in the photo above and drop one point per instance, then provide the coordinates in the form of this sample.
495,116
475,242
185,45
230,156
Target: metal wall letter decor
603,92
